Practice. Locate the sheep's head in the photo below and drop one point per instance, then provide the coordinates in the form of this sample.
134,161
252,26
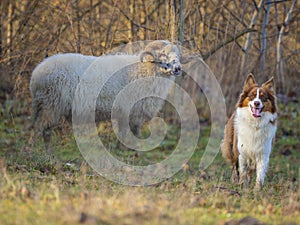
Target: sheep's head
167,58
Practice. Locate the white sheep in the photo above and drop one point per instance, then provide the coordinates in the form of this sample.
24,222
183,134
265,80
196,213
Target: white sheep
54,81
51,86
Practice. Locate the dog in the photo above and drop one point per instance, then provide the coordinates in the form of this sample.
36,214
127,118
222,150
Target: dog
250,131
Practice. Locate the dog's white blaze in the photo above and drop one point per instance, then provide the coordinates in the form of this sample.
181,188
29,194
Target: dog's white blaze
256,99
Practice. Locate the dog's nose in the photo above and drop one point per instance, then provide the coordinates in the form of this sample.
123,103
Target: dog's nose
256,103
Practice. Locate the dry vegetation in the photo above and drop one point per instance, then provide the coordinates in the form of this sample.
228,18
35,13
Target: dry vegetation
234,38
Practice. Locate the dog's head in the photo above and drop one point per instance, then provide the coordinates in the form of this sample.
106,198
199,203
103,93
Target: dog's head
258,99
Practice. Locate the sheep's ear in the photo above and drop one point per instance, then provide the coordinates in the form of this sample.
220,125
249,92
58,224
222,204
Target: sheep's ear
147,57
162,55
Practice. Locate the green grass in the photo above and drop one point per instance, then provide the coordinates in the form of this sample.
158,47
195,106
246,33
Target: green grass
35,190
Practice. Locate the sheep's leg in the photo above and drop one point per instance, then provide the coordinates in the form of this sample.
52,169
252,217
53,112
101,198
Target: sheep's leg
47,133
41,120
136,125
33,133
136,130
122,128
35,114
33,121
122,132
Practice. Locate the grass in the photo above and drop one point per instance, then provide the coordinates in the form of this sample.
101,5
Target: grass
34,190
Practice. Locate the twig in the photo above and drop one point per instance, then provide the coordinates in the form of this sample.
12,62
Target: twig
110,25
131,20
232,192
234,38
234,16
249,35
277,2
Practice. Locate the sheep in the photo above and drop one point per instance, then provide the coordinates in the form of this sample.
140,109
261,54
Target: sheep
51,86
54,81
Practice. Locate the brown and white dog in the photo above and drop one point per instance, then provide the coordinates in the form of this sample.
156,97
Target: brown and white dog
250,131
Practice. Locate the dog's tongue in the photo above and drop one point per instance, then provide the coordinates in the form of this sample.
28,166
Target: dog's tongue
256,112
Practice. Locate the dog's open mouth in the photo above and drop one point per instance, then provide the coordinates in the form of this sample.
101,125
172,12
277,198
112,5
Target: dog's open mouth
256,112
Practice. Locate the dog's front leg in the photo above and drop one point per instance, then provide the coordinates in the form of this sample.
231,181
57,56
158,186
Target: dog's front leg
243,169
261,170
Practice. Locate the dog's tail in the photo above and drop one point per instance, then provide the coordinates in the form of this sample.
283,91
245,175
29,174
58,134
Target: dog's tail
229,143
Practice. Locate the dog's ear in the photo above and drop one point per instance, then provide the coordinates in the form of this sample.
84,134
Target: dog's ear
147,57
270,85
250,82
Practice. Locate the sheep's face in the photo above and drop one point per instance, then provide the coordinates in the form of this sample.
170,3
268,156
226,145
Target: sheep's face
170,63
167,58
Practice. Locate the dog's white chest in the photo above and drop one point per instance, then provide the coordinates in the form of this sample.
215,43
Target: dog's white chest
254,135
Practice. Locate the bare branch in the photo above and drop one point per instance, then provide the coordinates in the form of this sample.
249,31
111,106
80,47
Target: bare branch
131,20
276,2
264,37
234,16
214,50
279,47
249,35
181,22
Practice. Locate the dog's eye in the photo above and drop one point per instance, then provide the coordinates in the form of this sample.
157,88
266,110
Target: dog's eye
263,97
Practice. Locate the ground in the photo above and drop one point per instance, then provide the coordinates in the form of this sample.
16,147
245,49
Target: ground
36,190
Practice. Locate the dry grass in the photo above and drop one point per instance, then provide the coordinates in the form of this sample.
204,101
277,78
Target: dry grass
80,197
34,190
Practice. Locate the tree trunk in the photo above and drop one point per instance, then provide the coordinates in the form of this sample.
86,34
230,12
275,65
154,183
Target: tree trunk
172,20
264,37
130,22
249,37
78,41
181,23
280,76
10,11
